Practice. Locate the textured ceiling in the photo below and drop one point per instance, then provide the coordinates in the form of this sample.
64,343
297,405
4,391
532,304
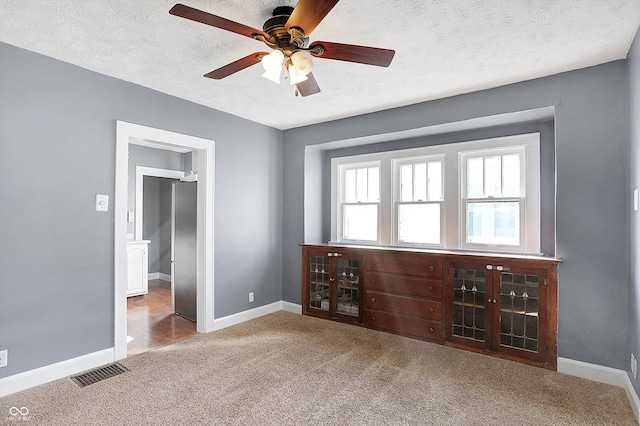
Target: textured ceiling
443,48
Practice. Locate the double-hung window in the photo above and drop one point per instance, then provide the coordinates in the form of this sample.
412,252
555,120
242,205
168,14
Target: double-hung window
478,195
360,202
493,198
418,200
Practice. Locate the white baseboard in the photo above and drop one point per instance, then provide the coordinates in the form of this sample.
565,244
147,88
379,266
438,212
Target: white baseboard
159,276
49,373
240,317
291,307
599,373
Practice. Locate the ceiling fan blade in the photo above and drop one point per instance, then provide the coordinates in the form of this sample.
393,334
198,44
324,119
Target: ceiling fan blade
215,21
236,66
354,53
308,14
309,86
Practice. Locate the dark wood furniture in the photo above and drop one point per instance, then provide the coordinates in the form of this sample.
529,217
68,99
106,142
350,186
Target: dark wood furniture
501,305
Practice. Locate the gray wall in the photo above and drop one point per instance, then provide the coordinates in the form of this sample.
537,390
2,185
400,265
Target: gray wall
149,157
633,64
164,222
57,150
591,199
157,222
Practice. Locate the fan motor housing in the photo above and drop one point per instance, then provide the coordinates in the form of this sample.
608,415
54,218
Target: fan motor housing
278,35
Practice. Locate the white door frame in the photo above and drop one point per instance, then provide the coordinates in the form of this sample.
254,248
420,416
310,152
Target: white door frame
127,133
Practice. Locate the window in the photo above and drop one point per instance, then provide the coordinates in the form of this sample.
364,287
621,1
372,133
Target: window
478,195
418,201
493,197
359,202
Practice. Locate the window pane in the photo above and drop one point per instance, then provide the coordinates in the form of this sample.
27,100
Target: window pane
360,222
406,182
419,223
361,185
435,181
350,186
511,175
420,182
495,223
492,176
475,178
374,184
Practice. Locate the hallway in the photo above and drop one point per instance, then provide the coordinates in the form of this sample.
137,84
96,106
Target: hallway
150,321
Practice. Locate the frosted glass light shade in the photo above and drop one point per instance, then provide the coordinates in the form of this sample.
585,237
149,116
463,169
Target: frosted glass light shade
303,65
272,64
295,76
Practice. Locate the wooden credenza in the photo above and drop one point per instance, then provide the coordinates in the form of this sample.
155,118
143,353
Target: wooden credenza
500,305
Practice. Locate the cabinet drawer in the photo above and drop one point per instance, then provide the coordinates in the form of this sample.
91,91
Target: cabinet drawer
403,324
405,284
409,264
403,305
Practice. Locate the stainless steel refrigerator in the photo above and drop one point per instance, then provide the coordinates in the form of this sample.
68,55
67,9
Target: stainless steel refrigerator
184,249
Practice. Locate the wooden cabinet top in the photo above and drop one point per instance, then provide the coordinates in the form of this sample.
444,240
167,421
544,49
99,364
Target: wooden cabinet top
444,255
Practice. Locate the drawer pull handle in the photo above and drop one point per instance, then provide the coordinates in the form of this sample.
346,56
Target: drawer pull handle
431,288
373,300
373,281
374,263
430,329
430,309
431,268
373,318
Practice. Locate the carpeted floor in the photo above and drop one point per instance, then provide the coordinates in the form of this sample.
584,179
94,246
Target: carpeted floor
287,369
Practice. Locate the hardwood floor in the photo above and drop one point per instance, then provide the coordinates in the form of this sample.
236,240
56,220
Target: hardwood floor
150,321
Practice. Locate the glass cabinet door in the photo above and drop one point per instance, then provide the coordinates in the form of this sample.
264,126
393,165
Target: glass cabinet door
348,285
500,309
319,290
469,314
519,305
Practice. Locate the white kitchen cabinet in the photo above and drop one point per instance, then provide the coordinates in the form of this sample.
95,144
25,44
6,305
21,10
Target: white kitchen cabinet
138,269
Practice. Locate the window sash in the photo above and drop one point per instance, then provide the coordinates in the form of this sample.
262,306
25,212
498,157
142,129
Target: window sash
489,224
492,191
356,230
423,236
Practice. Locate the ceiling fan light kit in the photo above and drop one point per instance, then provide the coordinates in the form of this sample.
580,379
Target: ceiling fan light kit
287,33
272,64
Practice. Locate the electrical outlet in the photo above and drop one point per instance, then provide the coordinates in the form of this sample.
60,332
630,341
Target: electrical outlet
251,297
3,358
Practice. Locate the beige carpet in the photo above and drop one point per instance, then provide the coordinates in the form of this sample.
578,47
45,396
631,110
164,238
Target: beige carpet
286,369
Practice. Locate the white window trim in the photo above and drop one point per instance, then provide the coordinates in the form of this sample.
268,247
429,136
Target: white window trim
529,198
338,202
396,163
452,221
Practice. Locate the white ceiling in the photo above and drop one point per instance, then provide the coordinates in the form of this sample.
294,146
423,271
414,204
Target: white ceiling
443,48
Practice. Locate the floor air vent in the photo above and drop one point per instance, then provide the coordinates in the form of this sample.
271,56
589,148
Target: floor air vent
99,374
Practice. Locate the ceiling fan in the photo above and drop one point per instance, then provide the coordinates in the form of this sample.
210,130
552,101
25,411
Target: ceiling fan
287,34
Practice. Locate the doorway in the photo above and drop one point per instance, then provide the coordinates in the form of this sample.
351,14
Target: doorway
126,134
164,311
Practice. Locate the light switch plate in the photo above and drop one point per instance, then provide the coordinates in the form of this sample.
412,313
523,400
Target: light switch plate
102,203
635,199
130,217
